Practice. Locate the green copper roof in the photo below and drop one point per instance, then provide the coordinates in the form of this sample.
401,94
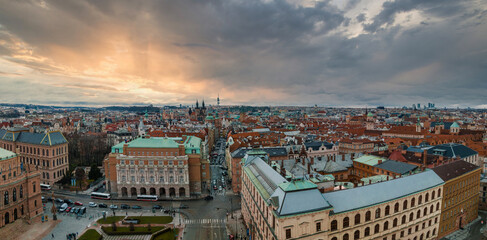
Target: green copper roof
369,160
6,154
297,185
153,143
370,114
257,152
454,125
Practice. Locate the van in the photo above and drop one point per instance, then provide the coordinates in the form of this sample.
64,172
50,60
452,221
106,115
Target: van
63,207
82,211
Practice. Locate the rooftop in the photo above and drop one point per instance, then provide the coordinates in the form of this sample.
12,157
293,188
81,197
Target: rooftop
6,154
454,169
396,167
370,160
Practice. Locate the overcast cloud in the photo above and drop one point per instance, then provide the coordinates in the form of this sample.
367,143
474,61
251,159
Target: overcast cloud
330,53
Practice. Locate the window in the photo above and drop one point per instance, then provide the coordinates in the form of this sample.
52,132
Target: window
431,209
5,198
124,178
418,214
21,192
437,206
439,194
367,216
161,179
420,199
432,197
346,222
426,197
396,207
411,216
413,202
377,213
367,232
394,222
386,212
318,226
334,225
288,233
405,205
356,235
34,186
376,228
425,211
403,221
345,236
357,218
386,225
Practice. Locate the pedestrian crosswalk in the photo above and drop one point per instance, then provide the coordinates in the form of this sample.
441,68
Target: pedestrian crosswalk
204,221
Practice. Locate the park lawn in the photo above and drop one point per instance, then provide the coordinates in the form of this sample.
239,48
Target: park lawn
90,234
110,220
169,235
153,219
137,230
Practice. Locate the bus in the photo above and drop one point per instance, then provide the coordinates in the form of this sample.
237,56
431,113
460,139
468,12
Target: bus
45,187
98,195
151,198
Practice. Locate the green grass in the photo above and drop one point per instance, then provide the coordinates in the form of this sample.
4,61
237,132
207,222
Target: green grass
169,235
153,219
126,230
90,234
110,220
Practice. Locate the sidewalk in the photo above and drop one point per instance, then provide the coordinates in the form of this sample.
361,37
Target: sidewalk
235,226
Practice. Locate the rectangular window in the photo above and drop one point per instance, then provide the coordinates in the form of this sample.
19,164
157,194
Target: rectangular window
318,226
288,233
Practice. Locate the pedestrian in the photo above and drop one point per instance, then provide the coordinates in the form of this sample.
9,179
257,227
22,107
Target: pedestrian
52,235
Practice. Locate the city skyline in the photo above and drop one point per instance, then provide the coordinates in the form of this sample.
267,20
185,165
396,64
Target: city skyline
329,53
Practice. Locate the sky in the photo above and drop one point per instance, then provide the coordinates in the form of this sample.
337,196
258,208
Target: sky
252,52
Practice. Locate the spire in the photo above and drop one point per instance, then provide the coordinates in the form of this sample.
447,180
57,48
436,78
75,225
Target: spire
203,104
218,100
197,104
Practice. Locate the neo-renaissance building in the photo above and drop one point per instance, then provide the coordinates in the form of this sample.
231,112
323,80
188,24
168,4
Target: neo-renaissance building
167,167
48,151
19,188
410,207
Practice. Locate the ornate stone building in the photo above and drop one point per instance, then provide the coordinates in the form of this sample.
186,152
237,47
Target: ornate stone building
48,151
19,188
167,167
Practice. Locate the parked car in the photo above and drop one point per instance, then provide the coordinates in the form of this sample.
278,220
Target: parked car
220,188
209,197
82,210
76,210
136,207
68,209
214,187
102,205
43,199
92,204
113,206
157,207
72,210
63,207
68,201
183,206
78,203
59,200
124,206
49,199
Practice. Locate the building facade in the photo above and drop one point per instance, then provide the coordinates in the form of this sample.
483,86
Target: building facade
403,208
19,188
460,196
48,151
167,167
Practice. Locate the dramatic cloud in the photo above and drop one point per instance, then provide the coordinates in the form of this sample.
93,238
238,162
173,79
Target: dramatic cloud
259,52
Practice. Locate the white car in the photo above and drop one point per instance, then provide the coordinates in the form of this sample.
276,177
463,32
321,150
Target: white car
92,204
113,206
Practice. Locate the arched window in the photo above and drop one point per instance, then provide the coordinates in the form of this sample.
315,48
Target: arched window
5,197
411,216
346,222
367,232
413,202
334,238
367,216
432,197
425,211
21,192
34,186
403,219
334,225
420,199
357,218
431,209
356,235
394,222
439,194
377,213
418,214
14,195
386,225
434,229
405,205
387,210
345,236
426,197
396,207
376,228
437,207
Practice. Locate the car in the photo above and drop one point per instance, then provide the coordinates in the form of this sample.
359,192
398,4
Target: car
68,209
214,187
43,199
102,205
59,200
92,204
113,206
82,210
78,203
183,206
157,207
220,188
63,207
136,207
209,197
68,201
124,206
72,210
76,210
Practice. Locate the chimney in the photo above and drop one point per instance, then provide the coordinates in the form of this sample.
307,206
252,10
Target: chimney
380,161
